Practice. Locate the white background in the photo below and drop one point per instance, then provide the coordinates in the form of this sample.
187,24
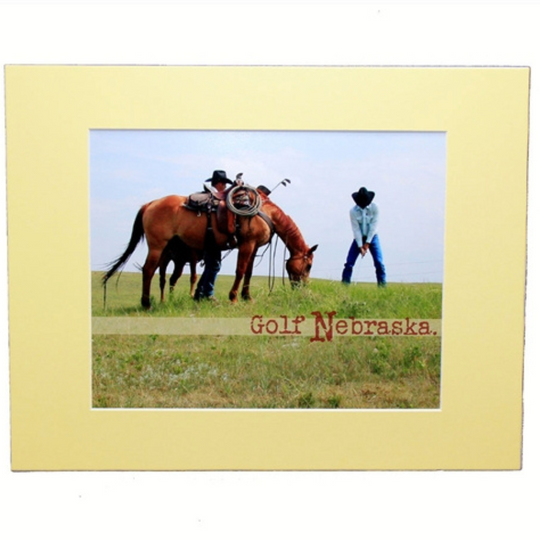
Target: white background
419,505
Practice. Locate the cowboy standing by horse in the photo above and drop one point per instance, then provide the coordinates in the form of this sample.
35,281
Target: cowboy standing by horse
364,220
212,254
160,220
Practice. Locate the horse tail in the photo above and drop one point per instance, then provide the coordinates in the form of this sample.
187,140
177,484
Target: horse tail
137,234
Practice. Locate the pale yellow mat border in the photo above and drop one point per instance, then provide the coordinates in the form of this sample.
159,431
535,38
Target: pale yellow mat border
50,111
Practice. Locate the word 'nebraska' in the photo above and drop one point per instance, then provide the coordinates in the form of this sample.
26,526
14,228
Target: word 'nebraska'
325,328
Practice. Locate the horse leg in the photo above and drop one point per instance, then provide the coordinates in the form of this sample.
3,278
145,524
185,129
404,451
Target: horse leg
149,268
162,278
193,276
177,274
247,278
244,257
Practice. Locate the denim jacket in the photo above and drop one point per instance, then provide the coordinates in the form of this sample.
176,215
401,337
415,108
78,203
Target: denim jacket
364,223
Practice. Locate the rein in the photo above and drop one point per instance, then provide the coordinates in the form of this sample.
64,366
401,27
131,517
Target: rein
272,267
304,257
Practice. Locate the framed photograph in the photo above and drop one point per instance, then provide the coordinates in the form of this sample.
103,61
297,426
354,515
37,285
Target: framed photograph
344,302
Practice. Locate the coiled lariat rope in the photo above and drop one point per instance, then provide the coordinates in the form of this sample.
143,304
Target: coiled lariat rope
246,202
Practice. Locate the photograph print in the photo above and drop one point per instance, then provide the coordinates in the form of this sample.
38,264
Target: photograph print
266,269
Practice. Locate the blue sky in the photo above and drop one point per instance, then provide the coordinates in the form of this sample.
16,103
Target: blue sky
406,170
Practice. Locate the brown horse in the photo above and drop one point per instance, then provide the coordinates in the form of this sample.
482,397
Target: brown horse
177,252
163,219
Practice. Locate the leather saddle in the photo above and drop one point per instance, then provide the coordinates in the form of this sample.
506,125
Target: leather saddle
238,200
208,202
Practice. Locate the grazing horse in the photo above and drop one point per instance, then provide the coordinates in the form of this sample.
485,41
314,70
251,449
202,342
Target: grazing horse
163,219
181,255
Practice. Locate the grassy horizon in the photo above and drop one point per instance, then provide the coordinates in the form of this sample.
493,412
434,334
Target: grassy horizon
397,300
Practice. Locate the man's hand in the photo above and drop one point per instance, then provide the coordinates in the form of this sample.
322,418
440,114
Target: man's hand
364,249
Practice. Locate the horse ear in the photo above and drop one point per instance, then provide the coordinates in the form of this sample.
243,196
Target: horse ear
313,249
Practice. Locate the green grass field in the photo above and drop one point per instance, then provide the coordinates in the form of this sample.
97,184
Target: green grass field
152,371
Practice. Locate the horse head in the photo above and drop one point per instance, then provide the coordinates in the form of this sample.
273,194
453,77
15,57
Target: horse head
299,266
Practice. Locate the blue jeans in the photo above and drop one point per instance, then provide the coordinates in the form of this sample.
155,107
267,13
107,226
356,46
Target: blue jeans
376,253
212,266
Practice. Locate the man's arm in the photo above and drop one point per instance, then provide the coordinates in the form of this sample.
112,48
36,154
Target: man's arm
355,225
374,222
372,229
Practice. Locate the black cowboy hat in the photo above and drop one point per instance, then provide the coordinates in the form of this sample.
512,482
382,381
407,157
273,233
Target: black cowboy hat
363,197
219,176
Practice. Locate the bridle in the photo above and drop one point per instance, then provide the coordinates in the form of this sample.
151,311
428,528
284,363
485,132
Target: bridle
304,257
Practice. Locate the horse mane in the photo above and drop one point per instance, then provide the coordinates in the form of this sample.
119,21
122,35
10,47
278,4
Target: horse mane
286,228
